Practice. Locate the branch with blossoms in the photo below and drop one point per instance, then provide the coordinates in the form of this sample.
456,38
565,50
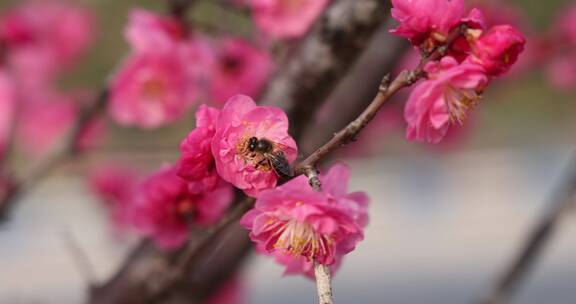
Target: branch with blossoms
306,223
223,148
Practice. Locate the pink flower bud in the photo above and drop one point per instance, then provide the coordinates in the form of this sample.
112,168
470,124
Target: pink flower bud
498,49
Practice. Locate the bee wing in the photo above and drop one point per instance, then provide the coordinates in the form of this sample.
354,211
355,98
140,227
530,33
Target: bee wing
279,164
280,148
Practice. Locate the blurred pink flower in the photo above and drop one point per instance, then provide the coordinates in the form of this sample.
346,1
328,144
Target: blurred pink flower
565,26
286,19
196,164
7,109
57,31
426,21
498,49
151,90
561,72
293,221
241,68
45,117
240,120
446,97
164,208
114,184
150,32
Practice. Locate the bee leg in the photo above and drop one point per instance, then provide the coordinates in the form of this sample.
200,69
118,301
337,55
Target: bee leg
260,163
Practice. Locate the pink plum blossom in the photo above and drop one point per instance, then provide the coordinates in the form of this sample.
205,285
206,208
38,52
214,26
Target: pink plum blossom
165,208
286,19
446,97
45,36
115,186
241,68
426,21
196,164
565,26
561,72
45,117
497,49
150,32
151,90
240,120
299,225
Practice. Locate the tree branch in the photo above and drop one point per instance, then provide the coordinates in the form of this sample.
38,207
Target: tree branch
323,58
535,242
386,90
68,148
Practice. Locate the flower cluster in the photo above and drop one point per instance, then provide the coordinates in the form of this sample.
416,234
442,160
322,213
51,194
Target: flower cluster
299,226
160,206
39,41
454,84
170,68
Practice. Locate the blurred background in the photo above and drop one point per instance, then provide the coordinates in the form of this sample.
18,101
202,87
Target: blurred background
444,219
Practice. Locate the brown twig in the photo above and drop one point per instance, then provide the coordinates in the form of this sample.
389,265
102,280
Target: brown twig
323,58
536,241
386,90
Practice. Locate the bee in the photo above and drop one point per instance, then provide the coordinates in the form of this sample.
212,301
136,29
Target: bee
268,154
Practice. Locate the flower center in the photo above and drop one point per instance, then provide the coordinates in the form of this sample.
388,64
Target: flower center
299,238
185,208
460,102
256,159
153,88
231,64
291,5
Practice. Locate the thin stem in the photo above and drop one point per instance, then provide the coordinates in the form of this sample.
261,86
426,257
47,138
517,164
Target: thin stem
536,241
386,90
323,283
321,271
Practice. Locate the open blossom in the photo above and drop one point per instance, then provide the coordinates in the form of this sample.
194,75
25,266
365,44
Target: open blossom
446,97
240,68
151,90
241,120
286,19
497,49
150,32
196,164
165,207
299,225
43,124
426,21
7,109
50,34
